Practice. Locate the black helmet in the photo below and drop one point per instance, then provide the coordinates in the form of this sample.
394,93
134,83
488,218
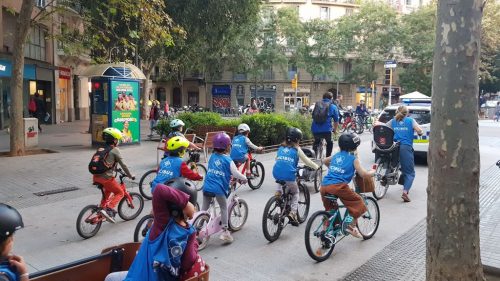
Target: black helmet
349,142
293,135
309,152
185,186
10,221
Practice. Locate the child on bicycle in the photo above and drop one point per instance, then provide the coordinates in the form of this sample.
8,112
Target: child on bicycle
170,249
240,145
177,125
172,166
107,179
220,169
285,168
342,166
12,267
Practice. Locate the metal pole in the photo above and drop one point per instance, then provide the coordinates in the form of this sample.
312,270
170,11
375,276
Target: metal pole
390,86
296,91
337,88
373,95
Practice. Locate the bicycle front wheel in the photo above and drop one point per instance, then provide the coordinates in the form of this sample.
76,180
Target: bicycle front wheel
318,245
360,127
318,177
88,222
304,203
238,215
258,174
145,184
202,171
368,222
380,172
272,220
142,227
201,226
129,210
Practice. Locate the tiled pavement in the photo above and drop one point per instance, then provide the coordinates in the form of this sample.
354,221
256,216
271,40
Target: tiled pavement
404,258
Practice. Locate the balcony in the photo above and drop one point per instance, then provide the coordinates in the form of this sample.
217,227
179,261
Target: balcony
338,2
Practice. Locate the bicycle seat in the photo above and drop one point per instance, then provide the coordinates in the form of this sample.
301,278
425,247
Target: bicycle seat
209,194
97,185
282,182
331,197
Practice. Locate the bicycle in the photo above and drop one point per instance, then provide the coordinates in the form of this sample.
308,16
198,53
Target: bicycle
192,162
208,223
275,217
349,125
129,208
256,170
327,228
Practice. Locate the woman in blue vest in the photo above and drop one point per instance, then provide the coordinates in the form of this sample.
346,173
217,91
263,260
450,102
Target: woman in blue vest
404,128
12,267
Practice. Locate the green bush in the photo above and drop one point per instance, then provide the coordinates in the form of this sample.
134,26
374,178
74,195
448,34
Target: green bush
266,129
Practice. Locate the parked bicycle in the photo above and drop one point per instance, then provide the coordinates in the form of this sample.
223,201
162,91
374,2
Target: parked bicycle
349,124
193,163
326,228
90,218
257,172
208,223
275,217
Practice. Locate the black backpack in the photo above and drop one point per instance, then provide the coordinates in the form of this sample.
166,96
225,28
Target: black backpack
97,164
320,112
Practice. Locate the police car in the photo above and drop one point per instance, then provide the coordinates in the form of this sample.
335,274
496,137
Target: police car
421,112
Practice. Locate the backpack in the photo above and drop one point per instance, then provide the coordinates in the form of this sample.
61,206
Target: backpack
97,164
32,105
320,112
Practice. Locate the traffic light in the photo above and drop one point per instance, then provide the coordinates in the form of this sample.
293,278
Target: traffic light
295,82
387,80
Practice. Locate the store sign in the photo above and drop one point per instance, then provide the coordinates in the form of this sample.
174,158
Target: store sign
125,109
390,64
64,73
3,67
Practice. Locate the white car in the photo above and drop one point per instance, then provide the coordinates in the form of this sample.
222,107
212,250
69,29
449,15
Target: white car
421,112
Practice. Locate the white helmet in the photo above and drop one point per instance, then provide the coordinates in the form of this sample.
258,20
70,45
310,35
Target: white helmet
176,123
243,128
349,107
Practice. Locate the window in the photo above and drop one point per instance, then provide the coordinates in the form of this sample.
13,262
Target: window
41,3
193,98
240,95
349,11
408,2
35,47
324,13
268,73
267,15
347,68
239,76
292,69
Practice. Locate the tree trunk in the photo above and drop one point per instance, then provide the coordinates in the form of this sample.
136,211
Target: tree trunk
453,192
16,83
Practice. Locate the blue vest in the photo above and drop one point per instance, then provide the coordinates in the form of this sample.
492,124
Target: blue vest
239,148
403,130
160,259
341,169
8,271
285,167
218,174
170,168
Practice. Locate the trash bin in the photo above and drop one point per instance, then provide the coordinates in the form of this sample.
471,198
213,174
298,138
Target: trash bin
30,132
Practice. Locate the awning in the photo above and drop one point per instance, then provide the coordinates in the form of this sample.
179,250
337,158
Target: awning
114,70
415,96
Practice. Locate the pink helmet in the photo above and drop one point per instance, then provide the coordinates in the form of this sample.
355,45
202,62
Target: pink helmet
221,141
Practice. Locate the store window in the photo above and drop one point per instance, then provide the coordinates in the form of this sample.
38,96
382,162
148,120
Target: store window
35,47
193,98
303,100
324,13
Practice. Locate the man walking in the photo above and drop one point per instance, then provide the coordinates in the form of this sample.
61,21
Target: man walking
323,113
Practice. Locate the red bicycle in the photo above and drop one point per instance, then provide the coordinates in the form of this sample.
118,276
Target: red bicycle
90,218
257,172
349,124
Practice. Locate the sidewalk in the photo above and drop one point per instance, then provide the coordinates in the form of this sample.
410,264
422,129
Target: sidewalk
404,259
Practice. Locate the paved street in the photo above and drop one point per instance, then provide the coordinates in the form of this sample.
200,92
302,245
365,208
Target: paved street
51,219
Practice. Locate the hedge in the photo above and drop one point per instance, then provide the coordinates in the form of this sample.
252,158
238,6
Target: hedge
266,129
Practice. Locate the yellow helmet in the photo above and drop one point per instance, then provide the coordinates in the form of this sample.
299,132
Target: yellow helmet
177,145
111,133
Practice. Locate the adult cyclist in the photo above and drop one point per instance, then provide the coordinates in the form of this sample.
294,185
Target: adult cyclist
323,113
107,179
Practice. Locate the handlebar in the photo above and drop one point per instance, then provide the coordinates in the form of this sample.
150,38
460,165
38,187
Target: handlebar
122,174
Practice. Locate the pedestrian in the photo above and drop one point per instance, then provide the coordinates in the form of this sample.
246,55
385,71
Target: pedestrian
497,112
154,115
40,110
32,107
166,110
404,128
323,113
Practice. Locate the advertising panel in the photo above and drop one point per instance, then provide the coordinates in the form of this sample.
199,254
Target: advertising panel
125,109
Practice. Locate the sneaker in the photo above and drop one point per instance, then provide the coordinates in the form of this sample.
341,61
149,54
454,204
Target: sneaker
354,231
250,176
226,236
405,197
293,218
109,214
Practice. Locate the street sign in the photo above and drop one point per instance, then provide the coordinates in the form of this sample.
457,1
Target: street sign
390,64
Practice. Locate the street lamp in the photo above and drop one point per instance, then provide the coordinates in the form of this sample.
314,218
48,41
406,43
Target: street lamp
111,52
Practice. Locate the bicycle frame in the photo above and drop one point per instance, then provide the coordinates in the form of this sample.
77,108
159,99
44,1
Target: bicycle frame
104,203
250,159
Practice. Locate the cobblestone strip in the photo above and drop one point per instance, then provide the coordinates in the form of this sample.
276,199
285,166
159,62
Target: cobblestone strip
404,258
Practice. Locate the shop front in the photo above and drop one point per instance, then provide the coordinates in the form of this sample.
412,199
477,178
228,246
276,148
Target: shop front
292,101
366,94
265,94
63,95
221,98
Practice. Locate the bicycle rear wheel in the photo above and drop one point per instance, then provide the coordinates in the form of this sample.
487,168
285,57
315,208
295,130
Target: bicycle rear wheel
272,221
130,210
318,245
145,184
201,226
142,227
89,221
202,171
304,203
258,173
238,215
368,222
380,172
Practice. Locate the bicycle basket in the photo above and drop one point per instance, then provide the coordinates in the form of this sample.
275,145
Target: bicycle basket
383,136
194,157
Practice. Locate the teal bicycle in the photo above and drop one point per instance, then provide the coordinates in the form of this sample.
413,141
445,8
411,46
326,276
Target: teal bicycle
326,228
